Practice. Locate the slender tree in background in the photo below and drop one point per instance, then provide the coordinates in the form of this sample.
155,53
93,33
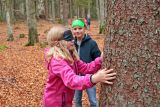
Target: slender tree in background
8,20
65,11
31,21
98,10
71,9
61,11
53,10
19,8
2,10
102,14
132,48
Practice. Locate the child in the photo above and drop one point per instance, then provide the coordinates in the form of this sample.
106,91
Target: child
88,51
63,64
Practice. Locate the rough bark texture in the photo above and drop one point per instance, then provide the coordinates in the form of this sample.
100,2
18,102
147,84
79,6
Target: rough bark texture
132,48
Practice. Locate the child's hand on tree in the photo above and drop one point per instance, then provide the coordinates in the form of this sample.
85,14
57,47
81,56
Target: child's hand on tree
104,76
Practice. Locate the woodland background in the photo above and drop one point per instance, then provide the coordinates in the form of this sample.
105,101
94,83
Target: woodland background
127,31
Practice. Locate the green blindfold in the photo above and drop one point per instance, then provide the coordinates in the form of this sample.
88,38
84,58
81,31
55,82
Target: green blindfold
78,22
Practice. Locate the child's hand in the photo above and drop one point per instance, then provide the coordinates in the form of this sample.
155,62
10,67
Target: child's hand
104,76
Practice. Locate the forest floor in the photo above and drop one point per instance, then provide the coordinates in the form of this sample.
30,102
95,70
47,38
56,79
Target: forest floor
22,69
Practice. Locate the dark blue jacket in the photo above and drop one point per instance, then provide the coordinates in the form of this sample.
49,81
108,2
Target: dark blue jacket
88,49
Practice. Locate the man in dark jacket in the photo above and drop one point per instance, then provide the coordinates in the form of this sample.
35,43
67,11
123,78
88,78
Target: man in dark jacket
88,50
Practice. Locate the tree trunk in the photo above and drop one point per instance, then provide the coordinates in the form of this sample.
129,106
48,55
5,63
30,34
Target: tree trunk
46,9
8,20
70,9
98,10
65,11
40,9
31,20
53,11
61,11
102,22
132,49
89,9
19,9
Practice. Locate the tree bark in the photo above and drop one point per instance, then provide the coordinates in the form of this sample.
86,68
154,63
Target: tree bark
132,49
89,9
98,10
65,11
53,11
8,20
32,24
61,11
46,9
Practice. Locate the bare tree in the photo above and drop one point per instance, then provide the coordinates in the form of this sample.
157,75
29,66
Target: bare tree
53,11
61,11
8,20
32,24
132,48
65,11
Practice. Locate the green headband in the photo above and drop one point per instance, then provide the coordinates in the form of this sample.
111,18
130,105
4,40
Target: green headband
78,22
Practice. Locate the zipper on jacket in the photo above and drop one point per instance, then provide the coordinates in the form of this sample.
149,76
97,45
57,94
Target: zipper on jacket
63,99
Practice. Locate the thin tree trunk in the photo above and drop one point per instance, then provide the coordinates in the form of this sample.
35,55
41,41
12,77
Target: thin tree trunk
46,9
32,24
70,9
89,9
98,10
102,10
132,49
83,12
78,12
3,11
61,11
65,11
53,11
8,20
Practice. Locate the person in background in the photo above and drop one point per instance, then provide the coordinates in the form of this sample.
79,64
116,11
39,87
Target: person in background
88,51
88,21
63,64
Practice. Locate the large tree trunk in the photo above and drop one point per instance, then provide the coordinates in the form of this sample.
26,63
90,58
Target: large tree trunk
32,24
8,20
132,48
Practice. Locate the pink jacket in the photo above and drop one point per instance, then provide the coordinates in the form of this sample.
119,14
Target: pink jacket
62,81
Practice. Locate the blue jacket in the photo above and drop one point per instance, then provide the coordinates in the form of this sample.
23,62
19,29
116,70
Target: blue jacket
89,50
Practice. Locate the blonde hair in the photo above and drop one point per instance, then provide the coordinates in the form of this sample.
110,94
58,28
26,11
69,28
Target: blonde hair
57,45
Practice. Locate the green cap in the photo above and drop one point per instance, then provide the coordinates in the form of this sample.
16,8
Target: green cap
78,22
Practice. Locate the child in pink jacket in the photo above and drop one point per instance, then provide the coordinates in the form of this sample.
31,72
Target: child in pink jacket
63,66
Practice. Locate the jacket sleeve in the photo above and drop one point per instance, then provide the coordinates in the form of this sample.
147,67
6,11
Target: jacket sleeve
95,51
89,68
70,79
